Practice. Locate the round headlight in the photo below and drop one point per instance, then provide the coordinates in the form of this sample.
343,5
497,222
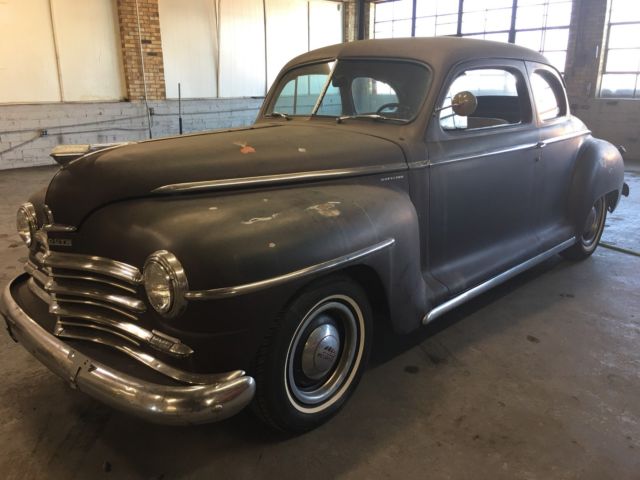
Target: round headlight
165,283
26,222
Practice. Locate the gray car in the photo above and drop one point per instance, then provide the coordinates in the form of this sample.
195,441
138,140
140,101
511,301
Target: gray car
182,279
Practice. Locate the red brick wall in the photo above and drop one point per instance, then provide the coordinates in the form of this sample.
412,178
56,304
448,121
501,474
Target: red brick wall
151,47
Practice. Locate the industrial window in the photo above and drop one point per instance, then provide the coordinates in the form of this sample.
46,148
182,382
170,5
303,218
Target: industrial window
541,25
621,73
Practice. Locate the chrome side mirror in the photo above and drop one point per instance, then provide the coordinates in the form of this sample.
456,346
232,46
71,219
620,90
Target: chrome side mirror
464,103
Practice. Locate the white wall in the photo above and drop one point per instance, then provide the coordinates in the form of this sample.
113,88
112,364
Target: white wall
242,57
87,44
325,23
223,41
189,47
89,49
287,33
28,70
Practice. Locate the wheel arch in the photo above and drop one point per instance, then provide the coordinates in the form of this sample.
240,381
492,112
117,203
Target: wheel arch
598,172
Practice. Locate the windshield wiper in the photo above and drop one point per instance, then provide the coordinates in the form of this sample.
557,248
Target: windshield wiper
279,115
371,116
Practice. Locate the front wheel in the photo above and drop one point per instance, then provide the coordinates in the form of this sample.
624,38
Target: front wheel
314,355
587,242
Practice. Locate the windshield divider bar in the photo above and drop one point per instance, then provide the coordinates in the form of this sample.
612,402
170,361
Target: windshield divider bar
324,89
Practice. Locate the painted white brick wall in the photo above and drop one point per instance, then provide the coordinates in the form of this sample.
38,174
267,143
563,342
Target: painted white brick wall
22,145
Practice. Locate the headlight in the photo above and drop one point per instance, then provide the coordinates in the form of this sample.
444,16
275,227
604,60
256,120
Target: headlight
26,222
165,283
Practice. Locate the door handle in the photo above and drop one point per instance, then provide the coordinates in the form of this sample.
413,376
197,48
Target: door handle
541,145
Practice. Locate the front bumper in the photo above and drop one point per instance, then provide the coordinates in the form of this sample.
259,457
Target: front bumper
222,396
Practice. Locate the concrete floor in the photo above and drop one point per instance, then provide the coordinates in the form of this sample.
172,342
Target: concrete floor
538,379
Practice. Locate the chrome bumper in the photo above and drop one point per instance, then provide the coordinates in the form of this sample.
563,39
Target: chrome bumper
223,396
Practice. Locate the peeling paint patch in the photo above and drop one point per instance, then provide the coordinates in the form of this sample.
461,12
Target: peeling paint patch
245,147
328,209
213,208
260,219
272,245
302,150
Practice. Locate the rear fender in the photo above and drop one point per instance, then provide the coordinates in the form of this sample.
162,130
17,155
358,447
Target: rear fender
599,171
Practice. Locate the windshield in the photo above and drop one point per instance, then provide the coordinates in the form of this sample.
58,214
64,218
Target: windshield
375,89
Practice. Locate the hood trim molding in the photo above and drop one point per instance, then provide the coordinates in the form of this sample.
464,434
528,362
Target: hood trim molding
295,177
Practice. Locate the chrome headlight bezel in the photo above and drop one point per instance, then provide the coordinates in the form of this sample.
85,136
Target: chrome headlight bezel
27,214
176,286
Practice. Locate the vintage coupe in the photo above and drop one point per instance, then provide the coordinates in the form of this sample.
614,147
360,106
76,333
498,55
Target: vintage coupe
181,279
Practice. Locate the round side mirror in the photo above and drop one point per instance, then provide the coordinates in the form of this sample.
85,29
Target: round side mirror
464,103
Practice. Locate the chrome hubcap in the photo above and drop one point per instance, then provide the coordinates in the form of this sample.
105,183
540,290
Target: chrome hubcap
324,354
593,223
320,351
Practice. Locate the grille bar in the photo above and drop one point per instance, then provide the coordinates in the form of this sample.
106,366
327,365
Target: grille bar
122,301
89,263
93,298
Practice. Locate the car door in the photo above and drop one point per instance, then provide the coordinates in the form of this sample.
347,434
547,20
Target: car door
560,136
481,178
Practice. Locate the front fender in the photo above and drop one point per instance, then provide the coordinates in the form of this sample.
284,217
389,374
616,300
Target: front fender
599,171
233,239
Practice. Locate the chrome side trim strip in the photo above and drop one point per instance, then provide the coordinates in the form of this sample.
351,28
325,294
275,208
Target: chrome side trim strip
89,263
497,280
226,292
567,136
515,148
276,179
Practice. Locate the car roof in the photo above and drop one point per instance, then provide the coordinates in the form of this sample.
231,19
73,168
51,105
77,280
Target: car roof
439,52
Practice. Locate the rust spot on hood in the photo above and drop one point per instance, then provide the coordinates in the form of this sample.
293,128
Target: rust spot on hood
245,147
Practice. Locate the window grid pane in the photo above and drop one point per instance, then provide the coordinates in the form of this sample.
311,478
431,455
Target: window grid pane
621,73
541,25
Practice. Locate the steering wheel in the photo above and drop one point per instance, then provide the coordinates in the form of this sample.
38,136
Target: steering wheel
394,105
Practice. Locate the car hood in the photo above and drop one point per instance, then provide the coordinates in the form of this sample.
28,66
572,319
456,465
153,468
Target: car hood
134,171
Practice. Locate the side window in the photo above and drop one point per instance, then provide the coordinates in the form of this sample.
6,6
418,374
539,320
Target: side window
500,99
548,95
369,95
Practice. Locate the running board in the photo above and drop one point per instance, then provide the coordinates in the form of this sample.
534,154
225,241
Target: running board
497,280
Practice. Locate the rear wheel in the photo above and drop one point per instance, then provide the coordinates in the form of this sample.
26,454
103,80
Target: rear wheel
312,359
588,241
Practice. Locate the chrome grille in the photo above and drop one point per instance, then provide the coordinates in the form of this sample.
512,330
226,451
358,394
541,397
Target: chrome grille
94,296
